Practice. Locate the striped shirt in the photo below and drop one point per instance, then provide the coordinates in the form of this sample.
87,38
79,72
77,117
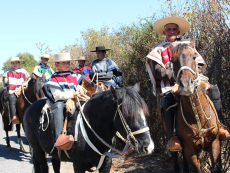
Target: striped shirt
15,78
62,85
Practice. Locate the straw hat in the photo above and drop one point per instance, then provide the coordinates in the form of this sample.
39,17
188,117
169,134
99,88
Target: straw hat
45,56
60,57
82,58
183,24
13,59
100,48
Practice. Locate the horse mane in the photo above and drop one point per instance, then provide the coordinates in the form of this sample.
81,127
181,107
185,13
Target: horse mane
132,102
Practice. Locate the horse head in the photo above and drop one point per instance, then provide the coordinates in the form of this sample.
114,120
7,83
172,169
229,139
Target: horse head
130,119
38,83
185,66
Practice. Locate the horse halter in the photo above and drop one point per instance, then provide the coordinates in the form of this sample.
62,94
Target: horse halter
130,134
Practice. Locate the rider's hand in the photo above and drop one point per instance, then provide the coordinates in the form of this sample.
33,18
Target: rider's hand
80,91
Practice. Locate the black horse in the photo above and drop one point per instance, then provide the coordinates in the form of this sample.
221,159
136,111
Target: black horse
101,111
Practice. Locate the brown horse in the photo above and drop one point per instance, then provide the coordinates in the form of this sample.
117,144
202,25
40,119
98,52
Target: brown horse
197,123
28,96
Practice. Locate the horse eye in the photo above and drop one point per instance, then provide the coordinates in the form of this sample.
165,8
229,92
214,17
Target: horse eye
194,58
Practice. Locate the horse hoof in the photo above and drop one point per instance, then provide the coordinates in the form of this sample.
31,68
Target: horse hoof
8,148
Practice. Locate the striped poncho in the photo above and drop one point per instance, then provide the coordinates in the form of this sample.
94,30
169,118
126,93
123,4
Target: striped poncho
62,85
15,78
85,70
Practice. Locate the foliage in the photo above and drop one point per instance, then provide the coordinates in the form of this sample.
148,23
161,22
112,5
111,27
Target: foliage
28,64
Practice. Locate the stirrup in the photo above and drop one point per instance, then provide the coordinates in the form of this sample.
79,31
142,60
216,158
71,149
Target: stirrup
224,134
64,142
15,120
174,144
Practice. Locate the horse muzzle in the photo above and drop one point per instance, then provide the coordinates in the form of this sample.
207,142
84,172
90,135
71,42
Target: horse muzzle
187,87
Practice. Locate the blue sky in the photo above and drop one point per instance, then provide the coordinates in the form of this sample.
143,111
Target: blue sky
58,23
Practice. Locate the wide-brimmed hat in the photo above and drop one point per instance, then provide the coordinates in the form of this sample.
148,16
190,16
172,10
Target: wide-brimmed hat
100,48
183,24
82,58
45,56
60,57
13,59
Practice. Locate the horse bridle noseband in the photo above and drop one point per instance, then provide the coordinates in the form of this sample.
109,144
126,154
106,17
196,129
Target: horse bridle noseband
130,134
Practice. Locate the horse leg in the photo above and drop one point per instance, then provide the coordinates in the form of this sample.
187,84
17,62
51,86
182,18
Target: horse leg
78,167
191,156
39,160
106,166
56,165
214,154
175,162
185,163
18,128
8,147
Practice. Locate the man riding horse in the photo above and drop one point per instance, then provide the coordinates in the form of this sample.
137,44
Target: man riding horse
161,74
43,67
82,67
13,79
106,69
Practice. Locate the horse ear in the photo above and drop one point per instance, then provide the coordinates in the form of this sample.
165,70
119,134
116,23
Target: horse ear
136,87
192,43
34,76
112,89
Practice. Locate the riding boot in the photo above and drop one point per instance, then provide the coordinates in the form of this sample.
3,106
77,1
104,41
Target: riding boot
57,125
167,101
12,105
215,97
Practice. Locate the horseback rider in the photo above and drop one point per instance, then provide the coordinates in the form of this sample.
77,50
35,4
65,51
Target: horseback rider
60,87
82,67
13,79
43,68
161,75
106,69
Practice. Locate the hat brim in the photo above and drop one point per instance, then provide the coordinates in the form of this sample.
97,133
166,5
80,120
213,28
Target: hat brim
82,60
183,24
14,61
99,50
61,61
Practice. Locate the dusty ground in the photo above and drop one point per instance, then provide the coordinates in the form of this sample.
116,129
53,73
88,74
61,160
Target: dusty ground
146,164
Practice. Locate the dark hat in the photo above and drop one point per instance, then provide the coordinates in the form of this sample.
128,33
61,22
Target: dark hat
100,48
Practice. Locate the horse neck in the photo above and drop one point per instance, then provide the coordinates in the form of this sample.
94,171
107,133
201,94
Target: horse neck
30,93
202,108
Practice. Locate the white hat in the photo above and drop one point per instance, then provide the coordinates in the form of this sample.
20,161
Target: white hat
60,57
82,58
183,24
13,59
45,55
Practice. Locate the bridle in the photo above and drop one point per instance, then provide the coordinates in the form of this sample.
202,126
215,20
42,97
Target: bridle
130,134
195,73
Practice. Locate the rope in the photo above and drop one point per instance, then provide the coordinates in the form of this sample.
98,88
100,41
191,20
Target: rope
25,96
